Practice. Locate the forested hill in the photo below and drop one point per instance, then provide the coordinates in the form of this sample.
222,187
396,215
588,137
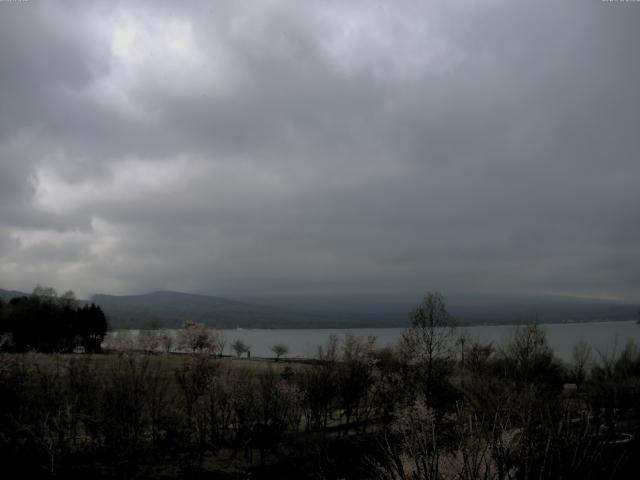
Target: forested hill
170,309
7,295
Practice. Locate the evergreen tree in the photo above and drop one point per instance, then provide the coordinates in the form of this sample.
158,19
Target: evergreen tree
47,323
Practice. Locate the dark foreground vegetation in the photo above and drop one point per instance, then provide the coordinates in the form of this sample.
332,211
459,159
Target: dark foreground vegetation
434,406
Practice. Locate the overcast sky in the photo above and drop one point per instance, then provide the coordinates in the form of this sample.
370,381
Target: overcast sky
330,147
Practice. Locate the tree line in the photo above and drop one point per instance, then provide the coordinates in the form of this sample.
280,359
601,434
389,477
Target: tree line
46,322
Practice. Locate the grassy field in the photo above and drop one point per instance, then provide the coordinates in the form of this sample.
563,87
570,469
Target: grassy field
166,364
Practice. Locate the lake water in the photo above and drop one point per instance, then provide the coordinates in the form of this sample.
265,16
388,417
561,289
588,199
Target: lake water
604,337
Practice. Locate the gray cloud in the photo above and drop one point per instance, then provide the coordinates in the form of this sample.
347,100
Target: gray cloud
321,147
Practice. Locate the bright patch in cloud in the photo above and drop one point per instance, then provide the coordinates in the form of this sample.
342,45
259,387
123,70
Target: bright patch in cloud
157,55
128,181
388,43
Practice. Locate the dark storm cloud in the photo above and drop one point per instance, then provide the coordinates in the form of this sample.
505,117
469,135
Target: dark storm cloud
326,147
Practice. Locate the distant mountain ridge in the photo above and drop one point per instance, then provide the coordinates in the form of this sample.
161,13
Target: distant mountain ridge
170,309
7,295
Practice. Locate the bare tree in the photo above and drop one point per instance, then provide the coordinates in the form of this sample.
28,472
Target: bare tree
279,349
430,337
477,357
220,342
581,358
278,410
529,357
319,385
462,341
355,377
239,347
